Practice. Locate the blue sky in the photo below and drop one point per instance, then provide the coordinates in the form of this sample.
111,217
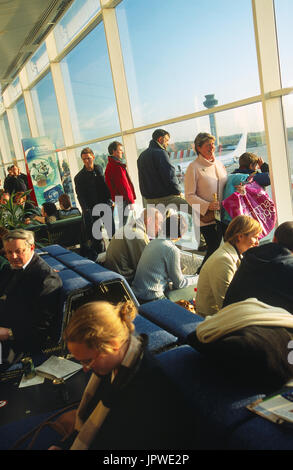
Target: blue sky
175,53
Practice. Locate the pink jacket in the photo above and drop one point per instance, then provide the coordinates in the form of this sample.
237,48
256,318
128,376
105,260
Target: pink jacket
201,182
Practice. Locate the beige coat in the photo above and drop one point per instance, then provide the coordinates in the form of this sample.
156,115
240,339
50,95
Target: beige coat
200,183
214,279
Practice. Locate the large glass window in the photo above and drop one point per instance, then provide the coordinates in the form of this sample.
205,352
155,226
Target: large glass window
288,110
46,109
9,142
78,15
89,87
284,14
15,89
100,150
175,54
237,131
21,120
37,63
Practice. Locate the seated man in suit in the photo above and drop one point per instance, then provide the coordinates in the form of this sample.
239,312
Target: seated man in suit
29,299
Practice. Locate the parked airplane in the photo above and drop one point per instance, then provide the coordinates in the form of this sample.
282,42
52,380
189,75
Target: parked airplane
227,159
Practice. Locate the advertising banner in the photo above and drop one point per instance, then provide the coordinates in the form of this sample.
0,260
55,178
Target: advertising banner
43,169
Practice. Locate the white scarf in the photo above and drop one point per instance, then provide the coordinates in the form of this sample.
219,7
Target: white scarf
89,428
239,315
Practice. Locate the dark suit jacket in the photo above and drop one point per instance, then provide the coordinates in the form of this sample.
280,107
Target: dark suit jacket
91,188
156,174
16,183
29,304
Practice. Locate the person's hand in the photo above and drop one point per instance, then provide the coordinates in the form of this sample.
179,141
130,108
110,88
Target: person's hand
4,334
54,448
240,188
214,206
260,162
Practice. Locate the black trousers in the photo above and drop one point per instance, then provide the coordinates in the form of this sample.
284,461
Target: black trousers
93,246
213,235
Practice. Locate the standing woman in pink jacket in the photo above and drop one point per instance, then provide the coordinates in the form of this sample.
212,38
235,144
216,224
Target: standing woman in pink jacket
204,182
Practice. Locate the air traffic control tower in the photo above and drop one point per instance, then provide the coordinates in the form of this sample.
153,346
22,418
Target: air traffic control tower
210,102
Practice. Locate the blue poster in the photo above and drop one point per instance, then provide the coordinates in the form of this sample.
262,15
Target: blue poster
41,161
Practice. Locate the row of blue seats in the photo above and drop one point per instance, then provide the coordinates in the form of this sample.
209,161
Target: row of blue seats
221,419
80,274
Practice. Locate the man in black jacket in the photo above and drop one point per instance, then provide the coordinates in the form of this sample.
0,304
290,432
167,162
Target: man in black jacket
92,190
158,182
15,181
30,295
266,272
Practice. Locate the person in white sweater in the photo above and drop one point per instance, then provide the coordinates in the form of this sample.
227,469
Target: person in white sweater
159,266
217,273
206,176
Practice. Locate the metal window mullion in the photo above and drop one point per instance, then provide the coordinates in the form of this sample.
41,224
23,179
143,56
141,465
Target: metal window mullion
275,128
121,92
30,111
62,103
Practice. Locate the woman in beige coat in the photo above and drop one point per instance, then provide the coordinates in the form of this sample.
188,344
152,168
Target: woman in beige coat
217,273
204,178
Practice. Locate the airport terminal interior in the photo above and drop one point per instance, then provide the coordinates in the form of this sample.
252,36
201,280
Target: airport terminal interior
84,73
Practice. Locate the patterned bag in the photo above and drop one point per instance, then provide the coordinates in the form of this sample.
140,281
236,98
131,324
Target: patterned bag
256,203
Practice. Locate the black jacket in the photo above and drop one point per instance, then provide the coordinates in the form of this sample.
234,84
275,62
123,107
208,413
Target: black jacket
266,273
91,188
156,174
148,413
16,183
29,305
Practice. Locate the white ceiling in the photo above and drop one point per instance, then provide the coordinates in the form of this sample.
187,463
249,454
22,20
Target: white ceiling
23,26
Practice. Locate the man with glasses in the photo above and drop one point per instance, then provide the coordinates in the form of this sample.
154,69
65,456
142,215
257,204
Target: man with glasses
92,191
29,299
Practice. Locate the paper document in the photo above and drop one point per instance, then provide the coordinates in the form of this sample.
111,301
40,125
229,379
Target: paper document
58,367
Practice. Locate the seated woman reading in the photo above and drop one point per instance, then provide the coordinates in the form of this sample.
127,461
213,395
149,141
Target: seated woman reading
159,266
128,403
218,271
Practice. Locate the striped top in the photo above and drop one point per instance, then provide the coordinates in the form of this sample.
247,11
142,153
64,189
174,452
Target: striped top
159,264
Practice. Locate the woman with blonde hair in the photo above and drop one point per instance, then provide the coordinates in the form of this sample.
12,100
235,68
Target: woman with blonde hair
128,402
215,276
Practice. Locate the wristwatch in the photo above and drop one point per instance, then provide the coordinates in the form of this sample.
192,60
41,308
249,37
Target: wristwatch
10,334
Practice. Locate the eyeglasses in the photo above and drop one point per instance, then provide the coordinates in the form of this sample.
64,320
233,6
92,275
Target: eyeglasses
18,252
88,363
